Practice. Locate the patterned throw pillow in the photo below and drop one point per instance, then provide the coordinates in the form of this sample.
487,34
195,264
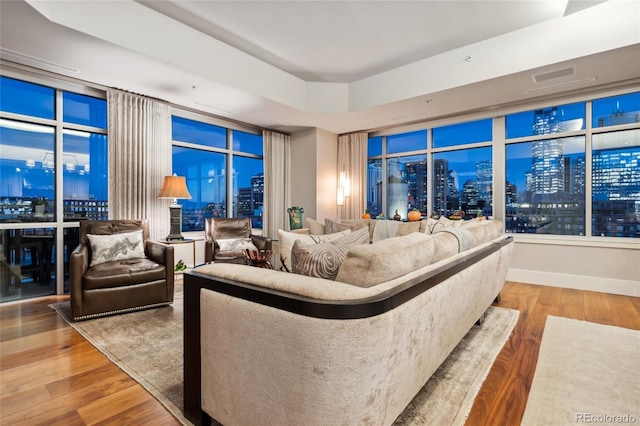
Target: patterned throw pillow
112,247
331,226
323,260
286,240
235,245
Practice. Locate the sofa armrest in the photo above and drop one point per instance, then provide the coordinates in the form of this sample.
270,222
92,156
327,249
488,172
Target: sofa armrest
78,266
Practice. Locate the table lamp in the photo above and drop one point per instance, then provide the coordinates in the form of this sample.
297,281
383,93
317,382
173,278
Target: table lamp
175,187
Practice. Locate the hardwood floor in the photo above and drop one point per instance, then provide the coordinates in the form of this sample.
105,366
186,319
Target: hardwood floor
504,393
50,375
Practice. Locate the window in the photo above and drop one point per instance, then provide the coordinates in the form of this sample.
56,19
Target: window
547,176
615,205
462,133
551,155
405,142
397,183
545,186
462,181
29,163
406,185
85,157
545,192
204,152
543,121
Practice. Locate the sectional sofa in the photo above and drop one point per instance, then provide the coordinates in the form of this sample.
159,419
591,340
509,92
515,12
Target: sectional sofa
288,349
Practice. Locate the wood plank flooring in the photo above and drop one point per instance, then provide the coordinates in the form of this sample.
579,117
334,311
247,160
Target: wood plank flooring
50,375
504,393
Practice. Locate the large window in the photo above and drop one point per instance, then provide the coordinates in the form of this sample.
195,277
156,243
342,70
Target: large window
547,173
545,186
461,171
570,169
47,133
615,173
204,153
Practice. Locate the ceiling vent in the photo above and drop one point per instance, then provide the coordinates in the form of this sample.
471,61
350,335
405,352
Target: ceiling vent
545,76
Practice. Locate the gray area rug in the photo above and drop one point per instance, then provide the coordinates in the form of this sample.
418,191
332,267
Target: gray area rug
586,373
147,345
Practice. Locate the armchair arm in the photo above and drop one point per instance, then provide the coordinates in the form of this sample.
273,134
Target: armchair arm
160,253
163,254
208,251
78,265
211,248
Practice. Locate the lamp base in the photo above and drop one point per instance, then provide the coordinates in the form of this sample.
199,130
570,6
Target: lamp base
175,231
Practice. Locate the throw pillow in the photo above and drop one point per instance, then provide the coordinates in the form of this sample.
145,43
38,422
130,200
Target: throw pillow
323,260
332,226
427,225
286,240
315,227
372,264
235,245
112,247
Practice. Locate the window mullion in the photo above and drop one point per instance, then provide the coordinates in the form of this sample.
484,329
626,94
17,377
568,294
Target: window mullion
588,178
59,193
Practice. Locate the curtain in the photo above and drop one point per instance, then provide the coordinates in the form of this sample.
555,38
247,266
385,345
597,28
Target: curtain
352,159
277,182
139,158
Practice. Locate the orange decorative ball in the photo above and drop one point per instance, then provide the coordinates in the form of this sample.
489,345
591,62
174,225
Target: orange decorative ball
414,215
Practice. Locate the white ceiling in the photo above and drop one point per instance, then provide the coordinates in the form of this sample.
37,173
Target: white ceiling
336,65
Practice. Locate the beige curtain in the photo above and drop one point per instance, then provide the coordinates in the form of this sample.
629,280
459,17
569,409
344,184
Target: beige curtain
352,158
277,182
139,158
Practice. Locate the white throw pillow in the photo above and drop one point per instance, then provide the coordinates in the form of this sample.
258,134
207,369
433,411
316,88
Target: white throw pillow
286,240
235,245
112,247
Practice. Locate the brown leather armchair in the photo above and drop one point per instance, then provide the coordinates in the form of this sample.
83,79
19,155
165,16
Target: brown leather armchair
122,285
230,228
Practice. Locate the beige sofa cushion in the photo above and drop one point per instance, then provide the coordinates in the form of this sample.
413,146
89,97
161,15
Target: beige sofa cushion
336,225
315,227
286,240
323,260
368,265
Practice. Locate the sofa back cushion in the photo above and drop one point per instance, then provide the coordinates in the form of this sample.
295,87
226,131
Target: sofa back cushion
323,260
371,264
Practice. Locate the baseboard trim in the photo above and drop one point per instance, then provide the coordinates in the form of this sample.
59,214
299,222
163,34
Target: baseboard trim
578,282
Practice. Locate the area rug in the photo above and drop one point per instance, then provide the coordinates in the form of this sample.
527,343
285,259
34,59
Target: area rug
147,345
586,373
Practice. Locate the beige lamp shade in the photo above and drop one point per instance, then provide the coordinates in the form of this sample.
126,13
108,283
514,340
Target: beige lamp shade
174,187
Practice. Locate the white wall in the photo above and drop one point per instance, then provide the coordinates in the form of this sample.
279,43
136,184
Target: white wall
327,175
314,154
607,266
